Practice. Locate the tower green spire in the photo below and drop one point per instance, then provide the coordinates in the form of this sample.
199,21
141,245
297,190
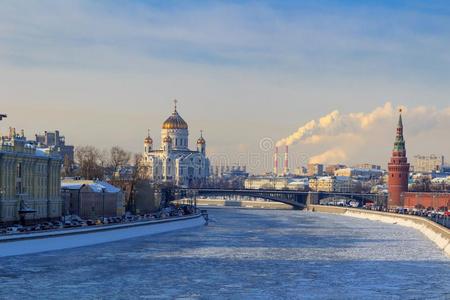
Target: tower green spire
399,144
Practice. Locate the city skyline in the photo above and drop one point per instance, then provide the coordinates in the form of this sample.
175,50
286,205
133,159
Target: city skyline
242,71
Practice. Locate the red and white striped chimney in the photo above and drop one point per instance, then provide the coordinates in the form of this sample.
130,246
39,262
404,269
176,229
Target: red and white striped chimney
275,162
286,161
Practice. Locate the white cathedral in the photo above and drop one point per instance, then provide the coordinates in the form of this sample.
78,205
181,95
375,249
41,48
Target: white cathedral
174,161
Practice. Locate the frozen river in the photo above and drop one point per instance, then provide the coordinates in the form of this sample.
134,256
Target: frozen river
242,254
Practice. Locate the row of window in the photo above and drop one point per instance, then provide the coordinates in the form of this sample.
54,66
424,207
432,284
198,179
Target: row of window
180,142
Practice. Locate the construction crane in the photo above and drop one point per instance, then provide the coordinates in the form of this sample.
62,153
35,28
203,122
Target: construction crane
3,116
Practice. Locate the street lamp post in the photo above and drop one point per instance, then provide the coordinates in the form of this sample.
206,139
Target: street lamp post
103,199
2,191
195,200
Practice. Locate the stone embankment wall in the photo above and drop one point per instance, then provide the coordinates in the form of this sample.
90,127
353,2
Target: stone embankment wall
243,204
435,232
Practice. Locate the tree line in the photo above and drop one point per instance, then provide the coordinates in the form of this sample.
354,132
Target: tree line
92,163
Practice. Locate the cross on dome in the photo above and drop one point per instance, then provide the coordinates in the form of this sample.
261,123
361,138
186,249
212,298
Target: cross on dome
175,121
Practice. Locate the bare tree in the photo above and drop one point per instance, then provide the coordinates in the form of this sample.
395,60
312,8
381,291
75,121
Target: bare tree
139,170
67,167
118,158
90,161
422,184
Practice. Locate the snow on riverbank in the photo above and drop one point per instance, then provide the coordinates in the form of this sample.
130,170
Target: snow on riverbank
436,233
72,238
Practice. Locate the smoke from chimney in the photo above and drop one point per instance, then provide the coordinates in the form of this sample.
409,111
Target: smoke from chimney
275,162
334,123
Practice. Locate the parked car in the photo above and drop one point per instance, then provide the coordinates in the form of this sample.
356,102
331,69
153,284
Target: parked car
12,229
57,224
46,226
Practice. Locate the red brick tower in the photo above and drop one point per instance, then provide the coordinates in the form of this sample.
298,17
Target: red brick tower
398,169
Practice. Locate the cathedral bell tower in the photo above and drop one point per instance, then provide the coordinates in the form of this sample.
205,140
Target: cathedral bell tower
398,169
175,127
201,143
167,144
148,144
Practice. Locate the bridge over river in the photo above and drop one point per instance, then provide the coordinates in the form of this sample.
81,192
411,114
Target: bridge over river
298,199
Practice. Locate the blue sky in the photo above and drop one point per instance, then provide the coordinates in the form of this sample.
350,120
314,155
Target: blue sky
105,71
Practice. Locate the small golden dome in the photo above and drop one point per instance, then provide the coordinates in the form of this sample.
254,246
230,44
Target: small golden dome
167,139
201,140
148,139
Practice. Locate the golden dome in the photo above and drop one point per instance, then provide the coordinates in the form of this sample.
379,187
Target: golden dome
175,121
201,140
148,139
167,139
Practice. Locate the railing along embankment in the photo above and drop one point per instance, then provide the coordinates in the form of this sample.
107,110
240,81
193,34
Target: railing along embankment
435,232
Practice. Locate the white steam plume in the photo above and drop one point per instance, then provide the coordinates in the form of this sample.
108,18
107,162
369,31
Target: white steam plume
336,123
332,155
344,135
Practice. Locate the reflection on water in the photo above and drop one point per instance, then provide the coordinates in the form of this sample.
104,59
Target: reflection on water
253,254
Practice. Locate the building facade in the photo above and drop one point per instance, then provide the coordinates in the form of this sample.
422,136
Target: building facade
398,168
330,169
334,184
315,169
174,162
90,199
428,163
368,166
56,141
360,173
29,180
276,183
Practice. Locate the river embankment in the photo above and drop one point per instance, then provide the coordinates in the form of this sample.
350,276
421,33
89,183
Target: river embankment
436,233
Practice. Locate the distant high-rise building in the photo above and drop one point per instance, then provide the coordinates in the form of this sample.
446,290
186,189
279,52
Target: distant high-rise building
57,142
330,169
398,169
315,169
427,163
301,171
368,166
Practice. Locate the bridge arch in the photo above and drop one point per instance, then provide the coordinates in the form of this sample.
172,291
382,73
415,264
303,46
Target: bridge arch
297,201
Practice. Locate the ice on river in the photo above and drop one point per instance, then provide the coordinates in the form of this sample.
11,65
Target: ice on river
242,254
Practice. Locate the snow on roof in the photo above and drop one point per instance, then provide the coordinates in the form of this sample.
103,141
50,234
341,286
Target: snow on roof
298,180
298,183
42,152
71,186
95,186
109,188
